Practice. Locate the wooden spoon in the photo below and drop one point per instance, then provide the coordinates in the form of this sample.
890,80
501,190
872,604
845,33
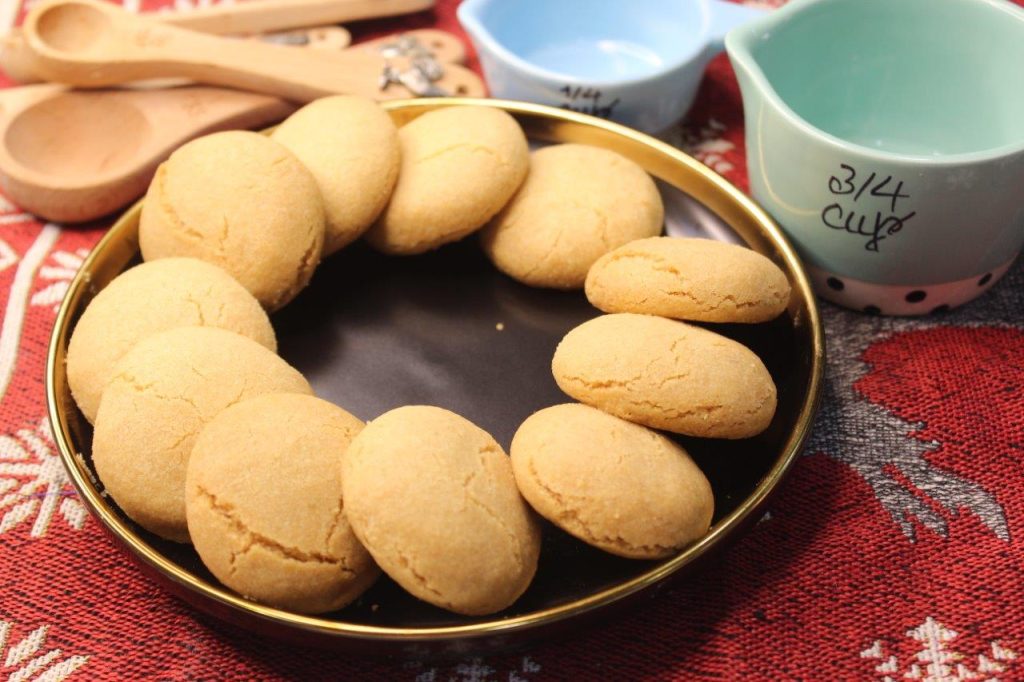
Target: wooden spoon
253,16
91,43
18,60
71,156
261,16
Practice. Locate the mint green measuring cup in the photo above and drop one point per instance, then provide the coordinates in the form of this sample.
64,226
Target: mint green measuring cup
887,138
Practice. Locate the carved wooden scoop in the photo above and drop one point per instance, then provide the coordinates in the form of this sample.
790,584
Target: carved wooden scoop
90,43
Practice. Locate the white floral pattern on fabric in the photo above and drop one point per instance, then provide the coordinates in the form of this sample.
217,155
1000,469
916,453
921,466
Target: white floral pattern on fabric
706,144
65,265
474,670
937,661
33,483
29,659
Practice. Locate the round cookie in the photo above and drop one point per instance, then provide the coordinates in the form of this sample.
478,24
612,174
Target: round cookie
264,503
667,375
152,297
351,147
688,279
460,165
613,484
577,204
163,392
433,498
243,202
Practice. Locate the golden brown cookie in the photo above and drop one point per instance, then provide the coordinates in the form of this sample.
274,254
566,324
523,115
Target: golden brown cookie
667,375
577,204
163,392
460,165
264,504
243,202
613,484
688,279
433,498
152,297
351,147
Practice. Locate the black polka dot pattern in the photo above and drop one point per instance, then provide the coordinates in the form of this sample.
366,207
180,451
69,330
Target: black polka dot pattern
940,309
872,310
835,284
985,280
916,296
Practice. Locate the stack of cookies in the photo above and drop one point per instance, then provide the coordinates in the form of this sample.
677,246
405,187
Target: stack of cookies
204,435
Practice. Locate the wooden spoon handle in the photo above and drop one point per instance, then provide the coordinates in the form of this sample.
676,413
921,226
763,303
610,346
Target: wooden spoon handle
91,43
257,16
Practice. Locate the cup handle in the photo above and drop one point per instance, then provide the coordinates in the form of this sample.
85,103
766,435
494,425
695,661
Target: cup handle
723,16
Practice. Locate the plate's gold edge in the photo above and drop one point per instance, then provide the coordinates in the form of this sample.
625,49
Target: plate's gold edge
791,450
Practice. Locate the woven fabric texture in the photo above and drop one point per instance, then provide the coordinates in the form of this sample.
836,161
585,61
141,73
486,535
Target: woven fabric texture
894,551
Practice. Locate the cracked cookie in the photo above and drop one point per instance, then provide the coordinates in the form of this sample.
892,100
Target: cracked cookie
667,375
459,166
152,297
243,202
351,147
265,507
162,392
611,483
433,498
688,279
577,204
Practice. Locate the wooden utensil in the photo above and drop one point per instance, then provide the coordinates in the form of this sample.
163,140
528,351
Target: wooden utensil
91,43
18,60
71,156
261,16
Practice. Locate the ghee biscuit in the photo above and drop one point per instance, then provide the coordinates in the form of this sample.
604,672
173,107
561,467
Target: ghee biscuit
667,375
577,204
433,498
264,504
614,484
152,297
459,166
162,393
351,147
688,279
243,202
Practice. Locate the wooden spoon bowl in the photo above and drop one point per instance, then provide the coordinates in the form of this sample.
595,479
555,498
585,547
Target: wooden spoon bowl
71,156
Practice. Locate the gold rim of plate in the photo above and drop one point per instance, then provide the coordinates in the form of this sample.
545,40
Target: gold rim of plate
667,163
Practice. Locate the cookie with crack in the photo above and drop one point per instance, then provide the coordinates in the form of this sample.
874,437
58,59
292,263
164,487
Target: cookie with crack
149,298
614,484
666,375
265,508
577,204
688,279
243,202
351,147
433,498
162,393
459,166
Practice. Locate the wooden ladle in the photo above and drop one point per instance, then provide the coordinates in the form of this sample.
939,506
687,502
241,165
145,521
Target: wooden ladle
89,43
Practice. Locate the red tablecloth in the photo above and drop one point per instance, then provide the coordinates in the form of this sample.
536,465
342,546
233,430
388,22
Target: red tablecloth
895,550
